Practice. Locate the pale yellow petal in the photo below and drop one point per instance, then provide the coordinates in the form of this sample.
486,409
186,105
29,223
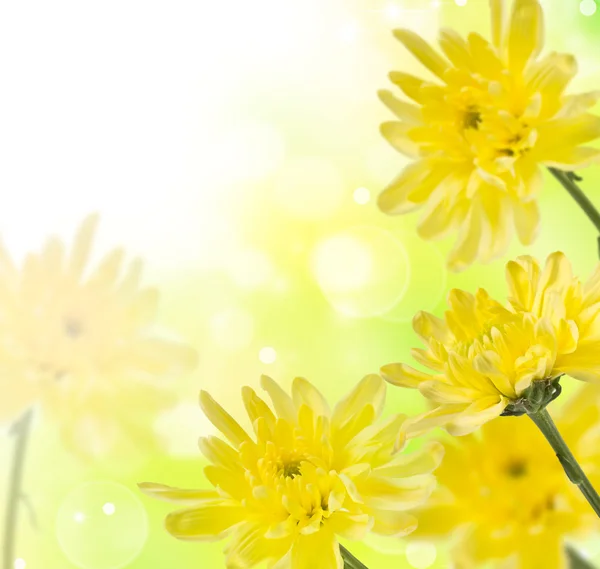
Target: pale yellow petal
404,111
177,495
398,135
82,245
410,85
248,546
393,523
402,375
421,461
318,550
282,402
369,391
222,420
428,326
477,414
394,198
468,243
526,33
527,221
422,51
219,453
256,407
438,417
304,393
208,523
455,48
497,14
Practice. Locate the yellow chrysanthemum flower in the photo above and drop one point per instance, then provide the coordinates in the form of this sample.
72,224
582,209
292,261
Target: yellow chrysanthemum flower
82,342
479,133
307,476
484,356
505,499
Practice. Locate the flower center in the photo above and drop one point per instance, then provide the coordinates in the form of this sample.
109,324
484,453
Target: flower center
73,327
291,469
516,468
472,118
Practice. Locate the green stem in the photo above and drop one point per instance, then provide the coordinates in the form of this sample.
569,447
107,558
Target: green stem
568,182
576,475
350,562
576,560
20,430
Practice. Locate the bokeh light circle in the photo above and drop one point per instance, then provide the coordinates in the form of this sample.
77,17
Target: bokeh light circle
309,188
588,7
92,539
267,355
362,196
421,554
20,563
362,271
428,277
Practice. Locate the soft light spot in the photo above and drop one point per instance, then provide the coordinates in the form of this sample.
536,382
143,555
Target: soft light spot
349,32
392,12
232,329
362,196
309,188
461,2
178,429
103,541
109,509
19,564
267,355
362,271
588,7
249,151
421,554
251,268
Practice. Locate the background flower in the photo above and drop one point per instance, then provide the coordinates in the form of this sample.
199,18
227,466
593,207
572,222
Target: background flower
496,111
308,476
81,342
503,497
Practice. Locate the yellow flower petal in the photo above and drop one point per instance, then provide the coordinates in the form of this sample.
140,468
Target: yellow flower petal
319,550
526,33
527,221
391,523
178,495
369,391
304,393
222,420
497,15
403,375
422,51
282,402
207,523
404,111
398,135
82,245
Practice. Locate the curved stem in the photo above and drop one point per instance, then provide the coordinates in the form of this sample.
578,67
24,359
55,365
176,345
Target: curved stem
20,430
576,560
567,180
576,475
350,562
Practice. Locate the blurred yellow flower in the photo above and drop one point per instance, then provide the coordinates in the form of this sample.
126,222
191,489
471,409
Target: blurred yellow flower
509,504
81,341
307,476
484,355
479,135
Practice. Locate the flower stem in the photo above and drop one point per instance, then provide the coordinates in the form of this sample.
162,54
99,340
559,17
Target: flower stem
576,475
576,560
350,562
20,430
567,180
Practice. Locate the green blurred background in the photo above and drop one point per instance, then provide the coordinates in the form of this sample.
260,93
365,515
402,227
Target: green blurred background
235,146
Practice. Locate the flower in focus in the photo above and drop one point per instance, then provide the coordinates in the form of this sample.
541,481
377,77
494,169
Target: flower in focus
483,356
479,133
82,342
510,504
305,477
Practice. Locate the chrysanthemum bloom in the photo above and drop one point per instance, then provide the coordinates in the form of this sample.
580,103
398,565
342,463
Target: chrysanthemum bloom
483,355
479,132
505,500
81,341
306,476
